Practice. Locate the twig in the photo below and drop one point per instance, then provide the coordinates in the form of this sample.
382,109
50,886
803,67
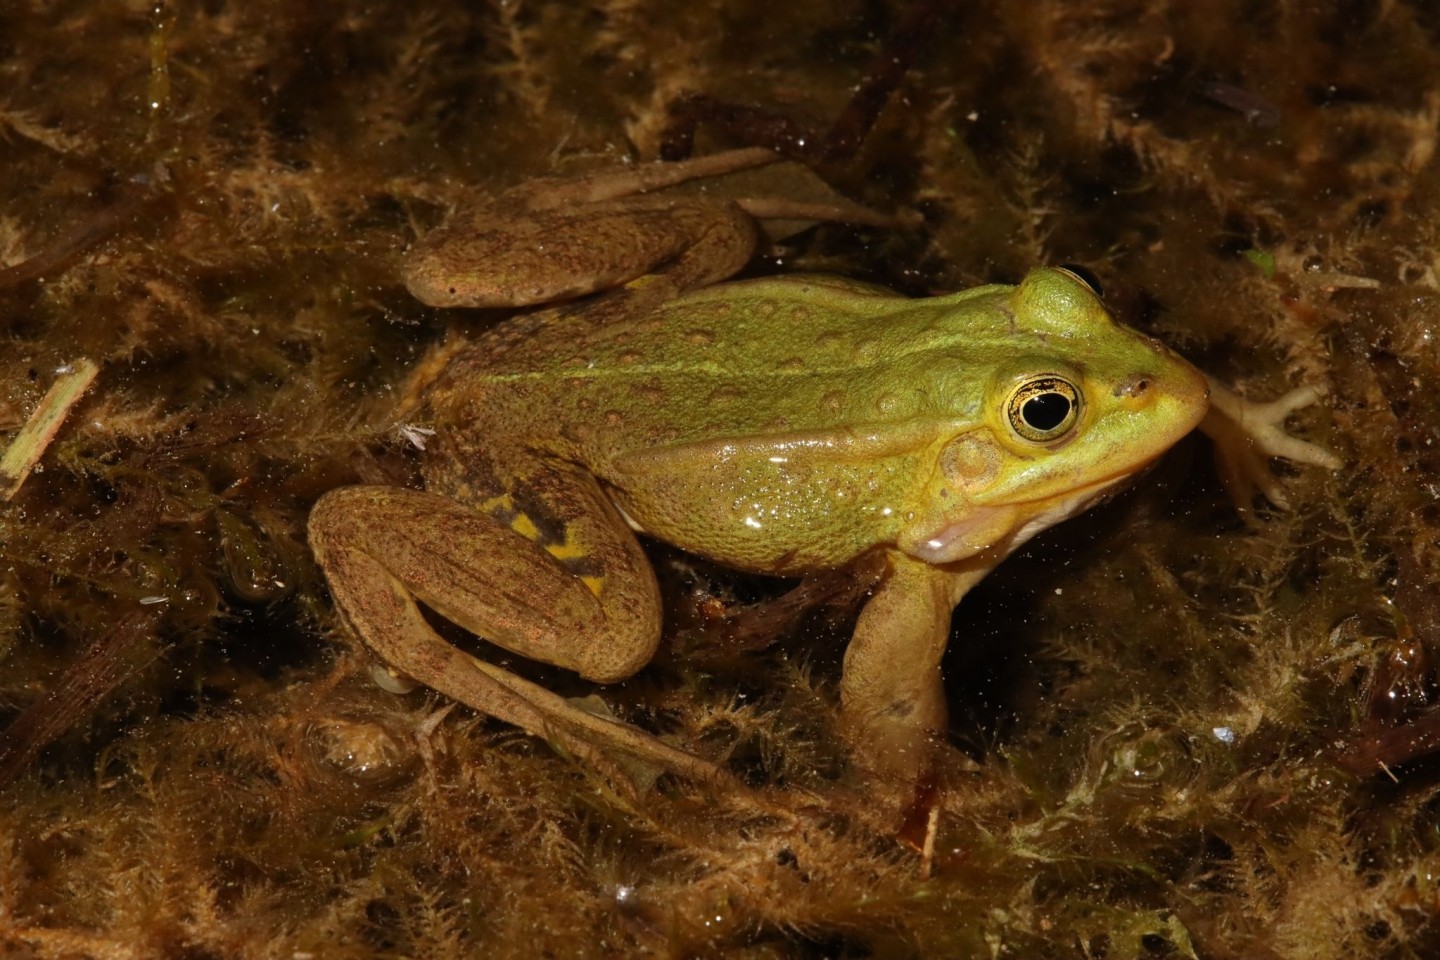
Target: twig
29,444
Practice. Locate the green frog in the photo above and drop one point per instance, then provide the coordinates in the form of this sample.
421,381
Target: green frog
779,426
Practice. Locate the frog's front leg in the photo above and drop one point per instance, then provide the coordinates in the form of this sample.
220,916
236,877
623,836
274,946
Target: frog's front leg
891,693
586,601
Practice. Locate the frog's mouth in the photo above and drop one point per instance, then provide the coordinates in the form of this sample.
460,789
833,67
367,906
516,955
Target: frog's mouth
1001,529
1055,510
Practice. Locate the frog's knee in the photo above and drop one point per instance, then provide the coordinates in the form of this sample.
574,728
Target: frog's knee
328,516
620,660
360,508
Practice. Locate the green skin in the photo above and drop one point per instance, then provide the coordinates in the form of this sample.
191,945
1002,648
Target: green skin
778,426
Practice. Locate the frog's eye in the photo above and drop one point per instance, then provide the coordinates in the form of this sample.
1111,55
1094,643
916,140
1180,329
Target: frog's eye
1084,277
1044,408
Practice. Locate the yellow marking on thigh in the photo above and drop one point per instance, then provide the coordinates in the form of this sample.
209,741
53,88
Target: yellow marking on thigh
567,553
502,502
524,526
503,509
566,550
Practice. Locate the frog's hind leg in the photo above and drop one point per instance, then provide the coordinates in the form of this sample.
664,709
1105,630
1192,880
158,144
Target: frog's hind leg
587,602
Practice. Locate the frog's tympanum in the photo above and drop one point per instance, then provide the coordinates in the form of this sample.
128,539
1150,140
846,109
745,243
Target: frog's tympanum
779,426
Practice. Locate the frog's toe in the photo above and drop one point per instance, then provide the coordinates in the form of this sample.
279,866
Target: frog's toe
1265,425
1247,434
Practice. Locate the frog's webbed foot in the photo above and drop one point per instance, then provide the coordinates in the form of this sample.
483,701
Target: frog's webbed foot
1247,434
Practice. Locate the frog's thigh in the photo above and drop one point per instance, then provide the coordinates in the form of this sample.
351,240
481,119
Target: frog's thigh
892,692
597,611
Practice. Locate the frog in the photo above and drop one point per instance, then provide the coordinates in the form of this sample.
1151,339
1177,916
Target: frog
780,426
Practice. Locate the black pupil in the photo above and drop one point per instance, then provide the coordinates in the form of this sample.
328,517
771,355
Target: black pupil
1046,411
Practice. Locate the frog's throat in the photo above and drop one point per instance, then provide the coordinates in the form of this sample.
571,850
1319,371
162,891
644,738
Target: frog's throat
1002,529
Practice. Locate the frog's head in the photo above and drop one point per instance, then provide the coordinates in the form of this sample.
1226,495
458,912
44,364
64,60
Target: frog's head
1078,405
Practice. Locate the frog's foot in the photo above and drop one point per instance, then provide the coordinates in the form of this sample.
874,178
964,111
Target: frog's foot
1247,434
587,731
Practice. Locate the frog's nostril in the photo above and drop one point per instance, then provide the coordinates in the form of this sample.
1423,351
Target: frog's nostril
1133,387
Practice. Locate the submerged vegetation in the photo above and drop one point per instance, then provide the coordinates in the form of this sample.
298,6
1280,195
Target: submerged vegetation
1177,731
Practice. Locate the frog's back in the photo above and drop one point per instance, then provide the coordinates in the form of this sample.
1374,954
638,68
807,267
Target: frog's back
796,355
